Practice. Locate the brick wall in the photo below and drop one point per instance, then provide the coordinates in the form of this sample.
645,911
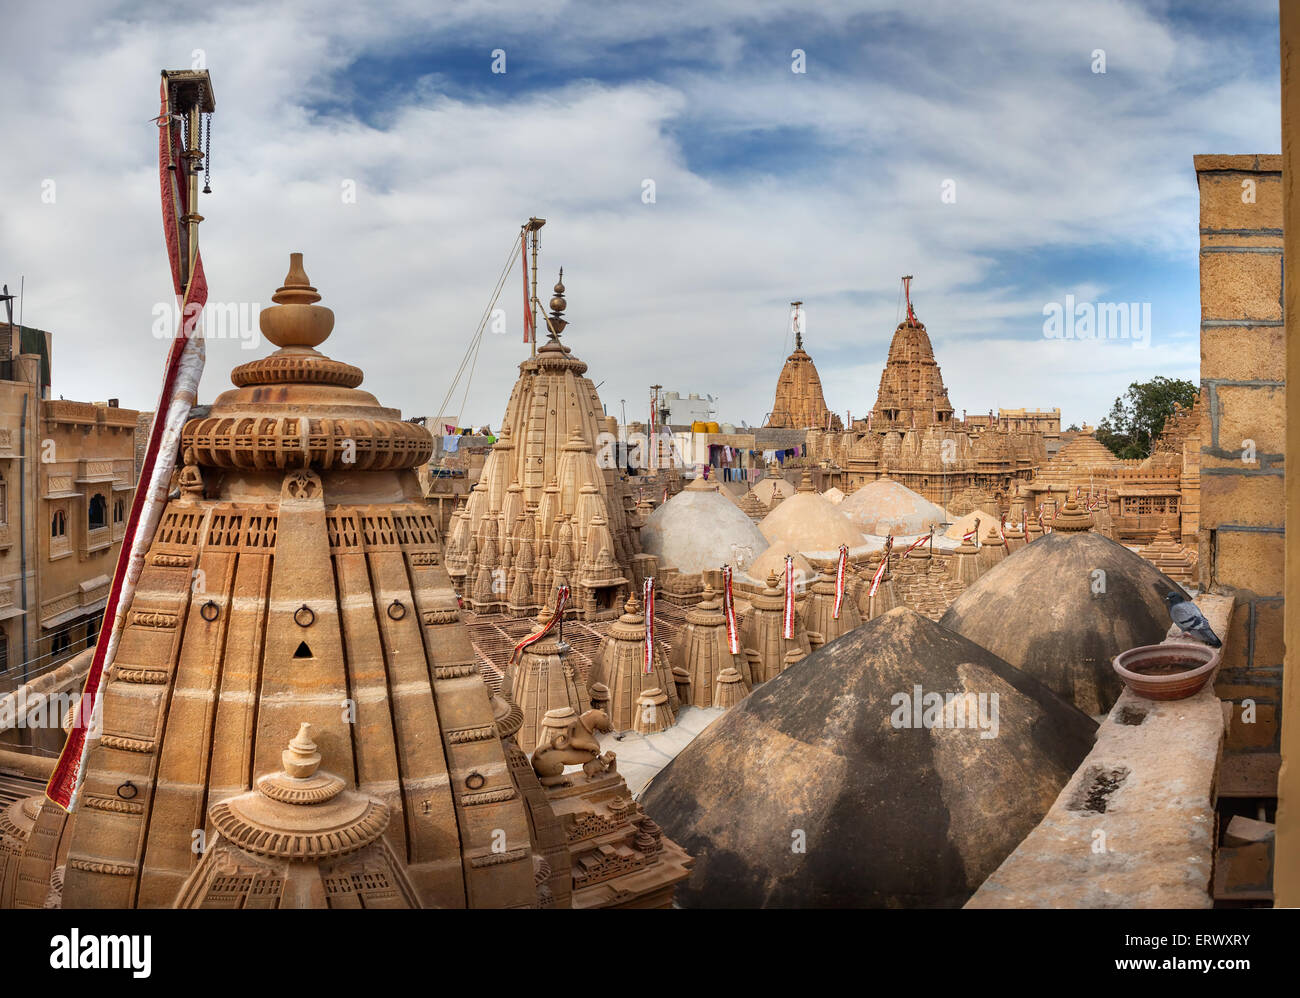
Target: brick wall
1242,506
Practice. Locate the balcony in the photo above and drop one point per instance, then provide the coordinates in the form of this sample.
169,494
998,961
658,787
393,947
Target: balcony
98,539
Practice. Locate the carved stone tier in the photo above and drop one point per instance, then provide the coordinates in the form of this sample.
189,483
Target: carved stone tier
286,367
270,443
620,856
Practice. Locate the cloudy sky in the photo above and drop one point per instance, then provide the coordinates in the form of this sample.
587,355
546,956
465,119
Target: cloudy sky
769,185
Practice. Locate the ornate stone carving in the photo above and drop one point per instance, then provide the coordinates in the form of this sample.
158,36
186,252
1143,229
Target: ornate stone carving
568,738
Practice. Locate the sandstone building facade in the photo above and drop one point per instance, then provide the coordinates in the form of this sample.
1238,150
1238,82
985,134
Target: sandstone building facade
67,477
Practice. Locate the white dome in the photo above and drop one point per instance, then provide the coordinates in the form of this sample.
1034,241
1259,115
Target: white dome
889,507
809,522
699,529
765,488
967,523
773,560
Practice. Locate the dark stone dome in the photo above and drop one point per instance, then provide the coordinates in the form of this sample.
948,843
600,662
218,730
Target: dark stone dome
889,816
1039,610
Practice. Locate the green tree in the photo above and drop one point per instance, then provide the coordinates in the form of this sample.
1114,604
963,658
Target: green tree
1138,416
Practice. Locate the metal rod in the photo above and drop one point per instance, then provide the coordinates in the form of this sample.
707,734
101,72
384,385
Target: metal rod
533,339
193,156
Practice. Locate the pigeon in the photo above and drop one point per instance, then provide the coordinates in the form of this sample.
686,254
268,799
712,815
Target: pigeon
1190,620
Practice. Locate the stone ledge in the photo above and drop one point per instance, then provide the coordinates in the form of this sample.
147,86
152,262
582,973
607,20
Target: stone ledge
1147,842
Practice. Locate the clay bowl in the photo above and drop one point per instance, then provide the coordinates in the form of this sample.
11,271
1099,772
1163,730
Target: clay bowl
1171,671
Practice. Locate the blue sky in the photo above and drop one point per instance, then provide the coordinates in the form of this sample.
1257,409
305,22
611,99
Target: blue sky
770,185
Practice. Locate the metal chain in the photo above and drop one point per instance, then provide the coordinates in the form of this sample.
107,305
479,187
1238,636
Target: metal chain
207,154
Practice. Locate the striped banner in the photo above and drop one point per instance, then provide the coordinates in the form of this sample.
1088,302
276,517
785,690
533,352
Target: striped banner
729,611
841,571
649,625
561,601
528,306
179,392
787,629
917,543
880,574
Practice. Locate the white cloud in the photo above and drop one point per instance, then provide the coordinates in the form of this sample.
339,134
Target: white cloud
691,291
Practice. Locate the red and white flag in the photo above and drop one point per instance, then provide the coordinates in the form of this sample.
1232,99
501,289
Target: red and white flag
528,305
561,601
841,573
880,574
649,625
787,621
729,612
181,373
917,543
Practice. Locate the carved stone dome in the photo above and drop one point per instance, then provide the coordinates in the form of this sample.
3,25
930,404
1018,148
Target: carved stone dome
889,507
699,529
812,792
1062,607
806,522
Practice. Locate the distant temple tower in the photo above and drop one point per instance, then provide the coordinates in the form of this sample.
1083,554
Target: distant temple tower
912,394
543,488
799,403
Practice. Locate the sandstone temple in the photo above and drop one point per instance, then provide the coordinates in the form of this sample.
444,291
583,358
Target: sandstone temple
313,712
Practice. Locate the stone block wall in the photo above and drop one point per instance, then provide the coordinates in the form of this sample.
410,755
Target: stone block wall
1242,507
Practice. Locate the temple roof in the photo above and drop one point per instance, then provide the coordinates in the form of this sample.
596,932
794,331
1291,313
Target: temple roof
1062,607
1082,455
772,485
799,403
297,579
965,524
889,507
849,808
699,529
912,393
806,521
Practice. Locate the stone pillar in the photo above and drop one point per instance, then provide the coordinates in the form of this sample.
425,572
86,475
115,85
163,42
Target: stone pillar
1243,383
1286,863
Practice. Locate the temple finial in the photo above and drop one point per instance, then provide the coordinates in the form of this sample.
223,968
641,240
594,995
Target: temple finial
555,322
295,320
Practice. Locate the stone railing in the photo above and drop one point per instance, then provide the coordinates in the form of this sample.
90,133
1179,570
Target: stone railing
1135,827
115,416
63,411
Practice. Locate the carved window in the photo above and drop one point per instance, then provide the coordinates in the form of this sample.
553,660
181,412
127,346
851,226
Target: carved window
97,516
59,524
